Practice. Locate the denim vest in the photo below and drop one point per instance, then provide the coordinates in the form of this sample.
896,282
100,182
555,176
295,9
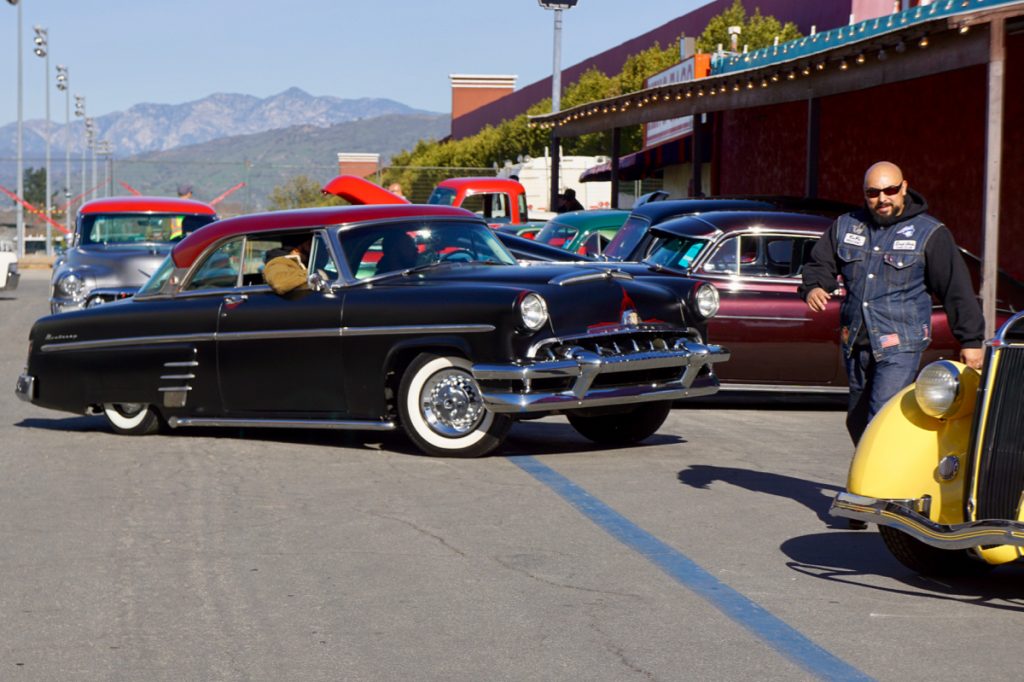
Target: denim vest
883,269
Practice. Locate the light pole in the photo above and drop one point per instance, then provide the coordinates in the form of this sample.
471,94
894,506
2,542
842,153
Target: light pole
42,45
90,127
62,85
21,149
80,112
106,149
556,87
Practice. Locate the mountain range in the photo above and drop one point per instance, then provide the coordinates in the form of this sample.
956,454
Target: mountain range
218,141
158,127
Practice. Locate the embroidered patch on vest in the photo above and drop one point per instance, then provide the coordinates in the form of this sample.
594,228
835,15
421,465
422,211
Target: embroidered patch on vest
906,231
845,335
889,340
904,244
855,239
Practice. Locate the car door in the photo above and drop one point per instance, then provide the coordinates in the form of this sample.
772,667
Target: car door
279,355
772,335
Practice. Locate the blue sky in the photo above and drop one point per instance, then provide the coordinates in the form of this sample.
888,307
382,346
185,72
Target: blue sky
125,52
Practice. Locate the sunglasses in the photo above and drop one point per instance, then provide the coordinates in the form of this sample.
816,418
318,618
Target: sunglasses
873,192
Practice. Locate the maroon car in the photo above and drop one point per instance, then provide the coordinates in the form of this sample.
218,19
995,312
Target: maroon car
754,258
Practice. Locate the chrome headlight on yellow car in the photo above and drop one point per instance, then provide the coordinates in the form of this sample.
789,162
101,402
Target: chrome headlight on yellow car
938,389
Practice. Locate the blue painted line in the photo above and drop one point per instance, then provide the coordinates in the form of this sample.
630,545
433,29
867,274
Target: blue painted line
773,631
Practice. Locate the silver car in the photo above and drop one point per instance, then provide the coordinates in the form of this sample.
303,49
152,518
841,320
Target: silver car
118,243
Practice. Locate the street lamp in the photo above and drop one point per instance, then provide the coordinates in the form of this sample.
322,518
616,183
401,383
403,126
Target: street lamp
62,85
42,43
556,87
106,148
80,112
90,132
21,149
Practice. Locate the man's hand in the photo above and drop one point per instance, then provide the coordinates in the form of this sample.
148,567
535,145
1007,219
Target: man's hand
817,299
972,357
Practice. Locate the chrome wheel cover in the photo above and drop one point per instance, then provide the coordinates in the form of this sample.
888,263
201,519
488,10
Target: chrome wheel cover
451,404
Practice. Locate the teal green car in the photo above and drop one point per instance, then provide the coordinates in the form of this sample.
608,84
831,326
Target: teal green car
583,232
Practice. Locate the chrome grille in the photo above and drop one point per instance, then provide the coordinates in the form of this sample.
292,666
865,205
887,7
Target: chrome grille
1001,471
614,343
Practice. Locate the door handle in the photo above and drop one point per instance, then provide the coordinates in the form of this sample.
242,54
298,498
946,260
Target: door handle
234,301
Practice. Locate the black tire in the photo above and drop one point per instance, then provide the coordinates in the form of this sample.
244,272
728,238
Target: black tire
132,419
928,560
442,411
631,425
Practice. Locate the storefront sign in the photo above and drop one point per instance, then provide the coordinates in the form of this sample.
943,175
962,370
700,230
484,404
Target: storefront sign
657,132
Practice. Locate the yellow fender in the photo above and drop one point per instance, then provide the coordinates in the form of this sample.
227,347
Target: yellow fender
899,453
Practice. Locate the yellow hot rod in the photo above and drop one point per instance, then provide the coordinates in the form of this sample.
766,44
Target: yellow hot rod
941,468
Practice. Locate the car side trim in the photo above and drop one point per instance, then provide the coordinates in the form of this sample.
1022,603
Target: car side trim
412,329
337,424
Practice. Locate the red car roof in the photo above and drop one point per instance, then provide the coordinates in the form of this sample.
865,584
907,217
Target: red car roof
189,248
482,184
137,204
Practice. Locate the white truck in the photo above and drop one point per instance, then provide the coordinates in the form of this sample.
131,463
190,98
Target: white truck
8,266
535,177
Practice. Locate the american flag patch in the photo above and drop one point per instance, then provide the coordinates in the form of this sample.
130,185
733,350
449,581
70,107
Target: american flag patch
889,340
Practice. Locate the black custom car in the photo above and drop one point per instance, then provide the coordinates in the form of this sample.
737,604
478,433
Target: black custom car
449,339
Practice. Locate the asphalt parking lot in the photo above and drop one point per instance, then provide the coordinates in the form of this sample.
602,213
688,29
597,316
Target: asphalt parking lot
706,553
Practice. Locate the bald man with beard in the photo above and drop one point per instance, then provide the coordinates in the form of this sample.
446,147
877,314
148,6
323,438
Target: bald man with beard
893,258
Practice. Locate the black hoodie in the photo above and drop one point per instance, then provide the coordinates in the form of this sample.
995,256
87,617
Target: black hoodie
946,275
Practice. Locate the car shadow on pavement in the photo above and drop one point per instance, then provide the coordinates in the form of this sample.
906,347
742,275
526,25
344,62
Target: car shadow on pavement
76,424
534,437
815,496
755,400
359,440
859,558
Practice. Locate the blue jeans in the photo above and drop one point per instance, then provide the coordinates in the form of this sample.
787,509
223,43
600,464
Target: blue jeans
873,382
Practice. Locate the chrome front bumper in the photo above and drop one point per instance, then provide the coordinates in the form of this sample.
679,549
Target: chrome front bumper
907,516
583,368
26,387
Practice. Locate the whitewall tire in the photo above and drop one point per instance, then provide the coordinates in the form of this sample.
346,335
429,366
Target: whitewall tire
442,411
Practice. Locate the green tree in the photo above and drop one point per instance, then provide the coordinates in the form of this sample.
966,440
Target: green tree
35,187
300,192
757,31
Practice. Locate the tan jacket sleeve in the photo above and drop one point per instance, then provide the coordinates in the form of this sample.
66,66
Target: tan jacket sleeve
285,274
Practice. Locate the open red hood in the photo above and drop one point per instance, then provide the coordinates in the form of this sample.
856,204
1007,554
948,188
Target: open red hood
360,191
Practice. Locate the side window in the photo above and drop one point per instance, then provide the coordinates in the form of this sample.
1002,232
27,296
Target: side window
734,256
257,253
320,259
221,268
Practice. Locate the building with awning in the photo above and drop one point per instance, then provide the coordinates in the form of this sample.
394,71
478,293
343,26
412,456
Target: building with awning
937,88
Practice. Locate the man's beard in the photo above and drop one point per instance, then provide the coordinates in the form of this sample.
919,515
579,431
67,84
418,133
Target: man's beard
886,220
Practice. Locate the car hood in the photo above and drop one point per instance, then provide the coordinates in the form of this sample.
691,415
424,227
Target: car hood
581,298
120,266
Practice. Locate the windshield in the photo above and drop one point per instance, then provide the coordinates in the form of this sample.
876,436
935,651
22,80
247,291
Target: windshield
127,228
156,282
442,196
627,238
556,234
381,249
676,252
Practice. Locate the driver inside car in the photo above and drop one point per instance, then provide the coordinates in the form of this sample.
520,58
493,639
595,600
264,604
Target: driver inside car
287,267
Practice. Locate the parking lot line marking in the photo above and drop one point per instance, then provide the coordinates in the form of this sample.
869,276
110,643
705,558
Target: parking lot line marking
775,632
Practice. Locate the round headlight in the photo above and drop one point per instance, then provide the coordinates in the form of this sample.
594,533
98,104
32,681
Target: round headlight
938,389
70,285
706,299
534,311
